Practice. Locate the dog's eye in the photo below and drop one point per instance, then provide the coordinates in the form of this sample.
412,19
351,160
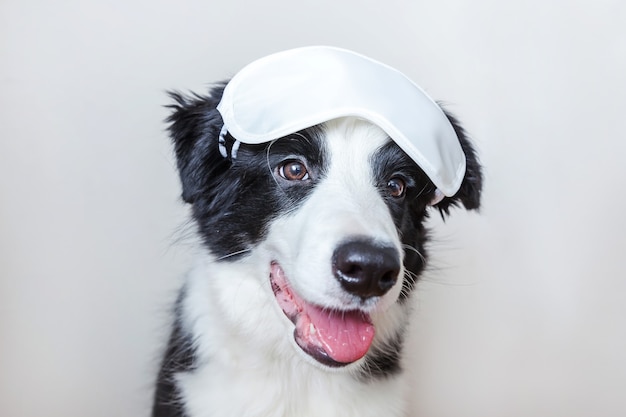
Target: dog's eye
293,171
396,187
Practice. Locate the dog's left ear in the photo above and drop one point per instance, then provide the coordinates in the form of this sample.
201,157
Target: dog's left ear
194,127
471,187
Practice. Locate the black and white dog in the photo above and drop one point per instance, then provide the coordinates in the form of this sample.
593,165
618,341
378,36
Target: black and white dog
312,244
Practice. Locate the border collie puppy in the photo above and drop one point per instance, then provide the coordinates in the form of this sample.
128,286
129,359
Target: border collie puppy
311,213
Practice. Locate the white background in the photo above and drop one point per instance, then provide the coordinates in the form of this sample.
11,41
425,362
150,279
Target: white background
524,311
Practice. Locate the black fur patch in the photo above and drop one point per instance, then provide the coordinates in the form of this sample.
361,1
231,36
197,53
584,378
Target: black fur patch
471,188
411,212
179,357
384,362
233,201
408,212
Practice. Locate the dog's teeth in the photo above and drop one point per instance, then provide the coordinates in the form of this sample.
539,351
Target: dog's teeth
312,329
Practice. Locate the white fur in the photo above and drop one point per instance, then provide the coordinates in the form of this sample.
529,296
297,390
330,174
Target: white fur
248,363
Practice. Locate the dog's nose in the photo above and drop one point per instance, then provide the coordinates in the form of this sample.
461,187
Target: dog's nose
366,269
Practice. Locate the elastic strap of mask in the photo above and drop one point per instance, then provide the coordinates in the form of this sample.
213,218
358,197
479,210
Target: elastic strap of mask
222,145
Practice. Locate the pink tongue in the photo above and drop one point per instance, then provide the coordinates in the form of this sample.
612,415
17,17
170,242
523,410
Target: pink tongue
344,335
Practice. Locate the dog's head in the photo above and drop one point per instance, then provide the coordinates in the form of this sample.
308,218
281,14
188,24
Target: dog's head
333,214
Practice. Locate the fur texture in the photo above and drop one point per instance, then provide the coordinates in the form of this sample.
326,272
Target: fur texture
277,221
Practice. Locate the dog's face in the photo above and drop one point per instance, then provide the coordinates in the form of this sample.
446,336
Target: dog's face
335,212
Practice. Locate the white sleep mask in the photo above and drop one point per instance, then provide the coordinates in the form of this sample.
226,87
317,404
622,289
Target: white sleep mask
292,90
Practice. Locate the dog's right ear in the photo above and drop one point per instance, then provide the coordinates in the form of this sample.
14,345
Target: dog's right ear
471,187
195,126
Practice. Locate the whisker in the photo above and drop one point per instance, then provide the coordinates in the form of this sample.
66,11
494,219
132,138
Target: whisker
301,135
267,160
412,275
421,191
221,258
413,249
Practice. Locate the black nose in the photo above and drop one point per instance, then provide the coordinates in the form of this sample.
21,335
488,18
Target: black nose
366,269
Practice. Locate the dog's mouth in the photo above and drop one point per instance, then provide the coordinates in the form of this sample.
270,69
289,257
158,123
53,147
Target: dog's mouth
332,337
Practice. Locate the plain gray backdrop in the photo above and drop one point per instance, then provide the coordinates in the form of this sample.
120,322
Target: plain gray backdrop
522,312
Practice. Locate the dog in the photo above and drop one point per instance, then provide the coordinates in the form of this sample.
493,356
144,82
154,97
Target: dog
312,244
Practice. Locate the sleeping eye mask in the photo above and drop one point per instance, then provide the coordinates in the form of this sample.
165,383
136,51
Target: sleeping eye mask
283,93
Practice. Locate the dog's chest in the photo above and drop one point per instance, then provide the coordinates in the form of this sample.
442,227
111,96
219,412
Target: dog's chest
286,391
246,363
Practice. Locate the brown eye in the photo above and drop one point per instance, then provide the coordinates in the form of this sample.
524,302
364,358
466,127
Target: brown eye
396,187
293,171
